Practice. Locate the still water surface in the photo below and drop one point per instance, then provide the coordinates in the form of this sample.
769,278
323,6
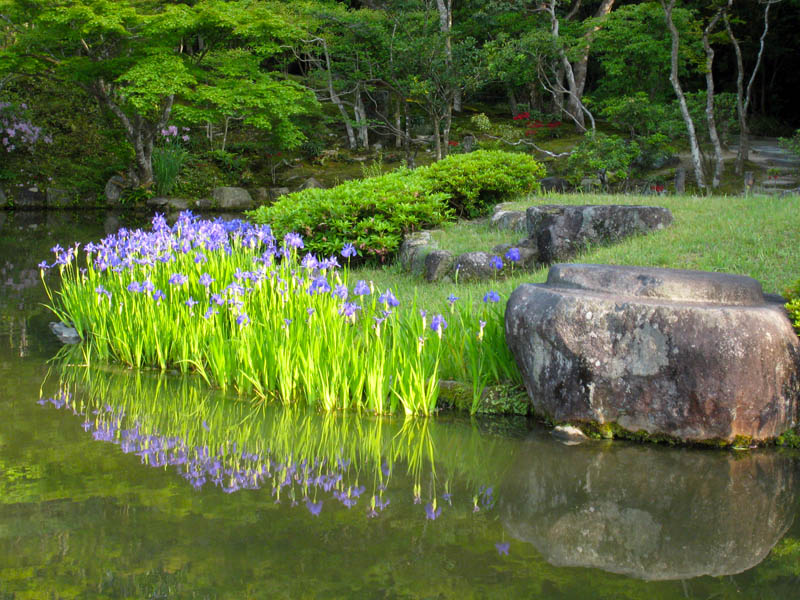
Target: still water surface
117,484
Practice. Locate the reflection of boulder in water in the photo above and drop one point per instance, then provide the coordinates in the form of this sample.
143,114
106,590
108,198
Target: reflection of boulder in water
649,512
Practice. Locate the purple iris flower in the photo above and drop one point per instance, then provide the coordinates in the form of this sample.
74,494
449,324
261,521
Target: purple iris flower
293,240
205,279
502,548
309,261
341,291
348,250
361,289
438,324
512,254
496,262
242,320
135,286
158,296
388,298
44,265
314,507
432,514
103,291
148,286
190,302
491,296
348,309
452,299
329,263
178,279
320,285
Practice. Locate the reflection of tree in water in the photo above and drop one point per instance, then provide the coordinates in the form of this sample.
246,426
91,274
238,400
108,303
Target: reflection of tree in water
650,512
304,458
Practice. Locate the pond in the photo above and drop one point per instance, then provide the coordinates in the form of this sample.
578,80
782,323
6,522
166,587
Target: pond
123,484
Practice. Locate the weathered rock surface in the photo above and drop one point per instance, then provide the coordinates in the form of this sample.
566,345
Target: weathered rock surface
413,243
277,192
232,198
170,204
311,183
562,231
645,511
474,266
30,198
114,187
692,355
554,184
65,333
527,256
58,198
438,265
509,219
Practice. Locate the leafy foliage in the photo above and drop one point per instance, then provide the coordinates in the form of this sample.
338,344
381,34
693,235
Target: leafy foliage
372,214
476,181
793,305
599,153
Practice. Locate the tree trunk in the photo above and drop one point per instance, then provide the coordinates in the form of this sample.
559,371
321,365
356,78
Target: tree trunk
742,95
361,119
719,165
676,85
407,137
512,102
140,132
351,137
437,135
398,124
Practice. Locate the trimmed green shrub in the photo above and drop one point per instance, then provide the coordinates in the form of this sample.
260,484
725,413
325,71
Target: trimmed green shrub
478,180
373,214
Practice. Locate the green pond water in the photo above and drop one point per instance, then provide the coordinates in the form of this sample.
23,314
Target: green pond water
123,484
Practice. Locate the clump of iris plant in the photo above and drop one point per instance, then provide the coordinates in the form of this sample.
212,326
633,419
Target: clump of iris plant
247,311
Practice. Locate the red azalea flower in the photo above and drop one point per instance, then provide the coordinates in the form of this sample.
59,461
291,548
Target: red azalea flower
452,143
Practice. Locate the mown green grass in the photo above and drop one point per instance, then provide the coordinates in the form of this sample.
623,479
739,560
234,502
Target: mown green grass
754,236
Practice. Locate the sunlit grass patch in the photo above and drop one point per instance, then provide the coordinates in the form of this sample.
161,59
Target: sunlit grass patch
245,311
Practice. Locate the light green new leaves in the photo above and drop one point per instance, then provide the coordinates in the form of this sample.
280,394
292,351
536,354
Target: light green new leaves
153,78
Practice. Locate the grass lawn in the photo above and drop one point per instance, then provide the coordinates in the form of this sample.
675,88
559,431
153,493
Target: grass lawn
754,236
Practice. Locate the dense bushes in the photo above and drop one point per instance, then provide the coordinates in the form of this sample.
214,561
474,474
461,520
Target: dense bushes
793,306
372,214
375,213
476,181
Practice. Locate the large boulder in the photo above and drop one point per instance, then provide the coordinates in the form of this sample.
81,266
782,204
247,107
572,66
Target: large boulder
691,355
474,266
438,265
232,198
30,197
415,244
648,512
114,188
514,220
562,231
60,198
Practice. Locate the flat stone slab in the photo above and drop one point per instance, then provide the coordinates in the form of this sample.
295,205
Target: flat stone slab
561,231
690,355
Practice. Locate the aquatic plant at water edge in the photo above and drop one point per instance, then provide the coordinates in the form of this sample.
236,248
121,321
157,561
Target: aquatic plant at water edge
168,160
244,311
